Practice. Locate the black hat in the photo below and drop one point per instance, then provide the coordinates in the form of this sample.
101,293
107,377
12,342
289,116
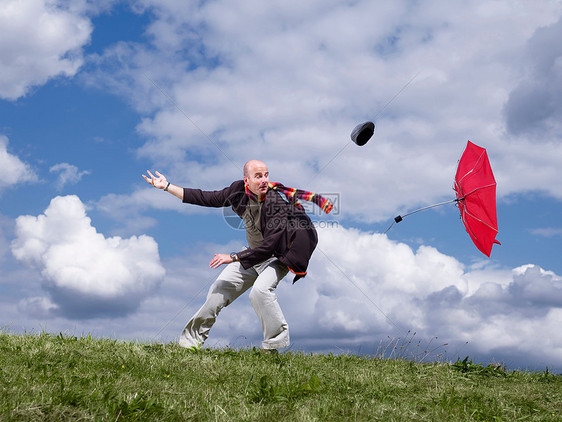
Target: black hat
362,133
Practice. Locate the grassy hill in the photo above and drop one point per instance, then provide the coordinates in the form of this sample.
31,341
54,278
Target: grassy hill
58,378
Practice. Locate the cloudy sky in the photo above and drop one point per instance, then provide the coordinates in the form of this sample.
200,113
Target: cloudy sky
94,93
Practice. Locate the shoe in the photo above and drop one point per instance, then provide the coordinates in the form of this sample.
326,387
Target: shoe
269,351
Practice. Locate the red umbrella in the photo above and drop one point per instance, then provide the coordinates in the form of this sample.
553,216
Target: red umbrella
476,198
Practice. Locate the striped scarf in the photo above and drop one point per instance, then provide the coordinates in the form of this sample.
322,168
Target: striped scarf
293,195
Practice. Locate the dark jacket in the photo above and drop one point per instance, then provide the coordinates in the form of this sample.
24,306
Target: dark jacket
288,233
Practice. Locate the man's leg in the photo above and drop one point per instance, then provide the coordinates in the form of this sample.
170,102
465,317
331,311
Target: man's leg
264,301
231,283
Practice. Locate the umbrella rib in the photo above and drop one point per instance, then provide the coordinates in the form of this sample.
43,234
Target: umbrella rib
465,210
473,167
466,226
478,219
475,189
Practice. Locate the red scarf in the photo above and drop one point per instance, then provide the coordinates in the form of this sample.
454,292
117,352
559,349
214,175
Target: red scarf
293,195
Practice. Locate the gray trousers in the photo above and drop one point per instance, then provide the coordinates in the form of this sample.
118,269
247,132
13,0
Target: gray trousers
231,283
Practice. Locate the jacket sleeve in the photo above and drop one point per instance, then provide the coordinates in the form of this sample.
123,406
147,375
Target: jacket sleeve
216,199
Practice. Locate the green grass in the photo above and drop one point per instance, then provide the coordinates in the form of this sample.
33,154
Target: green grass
58,378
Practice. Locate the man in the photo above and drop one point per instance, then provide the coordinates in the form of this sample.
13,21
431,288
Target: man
281,238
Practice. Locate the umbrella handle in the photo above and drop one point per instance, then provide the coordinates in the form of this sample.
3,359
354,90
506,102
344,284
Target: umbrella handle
399,218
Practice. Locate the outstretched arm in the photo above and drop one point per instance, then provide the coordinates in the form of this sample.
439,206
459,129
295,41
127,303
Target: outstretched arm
159,181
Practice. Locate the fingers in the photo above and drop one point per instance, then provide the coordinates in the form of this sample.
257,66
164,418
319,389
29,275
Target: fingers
147,179
218,260
215,262
153,179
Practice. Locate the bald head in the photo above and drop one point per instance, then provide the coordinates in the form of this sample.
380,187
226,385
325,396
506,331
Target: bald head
256,177
251,165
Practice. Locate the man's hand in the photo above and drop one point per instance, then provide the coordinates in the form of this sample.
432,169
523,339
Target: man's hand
159,182
220,259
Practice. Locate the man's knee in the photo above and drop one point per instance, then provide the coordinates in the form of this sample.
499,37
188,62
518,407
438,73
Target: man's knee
213,305
259,293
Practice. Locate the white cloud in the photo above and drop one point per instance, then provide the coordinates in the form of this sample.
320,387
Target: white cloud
127,209
38,307
287,84
5,226
40,39
68,174
366,287
548,232
85,273
14,170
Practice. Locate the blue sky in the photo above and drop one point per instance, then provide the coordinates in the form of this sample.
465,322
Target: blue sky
85,108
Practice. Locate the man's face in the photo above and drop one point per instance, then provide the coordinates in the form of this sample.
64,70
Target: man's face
257,179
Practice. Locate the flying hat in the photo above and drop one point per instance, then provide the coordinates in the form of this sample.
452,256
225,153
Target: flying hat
362,133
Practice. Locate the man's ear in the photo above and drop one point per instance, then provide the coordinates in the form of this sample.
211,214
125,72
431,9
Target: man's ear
246,180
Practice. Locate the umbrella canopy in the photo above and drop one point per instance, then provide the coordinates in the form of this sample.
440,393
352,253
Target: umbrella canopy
475,187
